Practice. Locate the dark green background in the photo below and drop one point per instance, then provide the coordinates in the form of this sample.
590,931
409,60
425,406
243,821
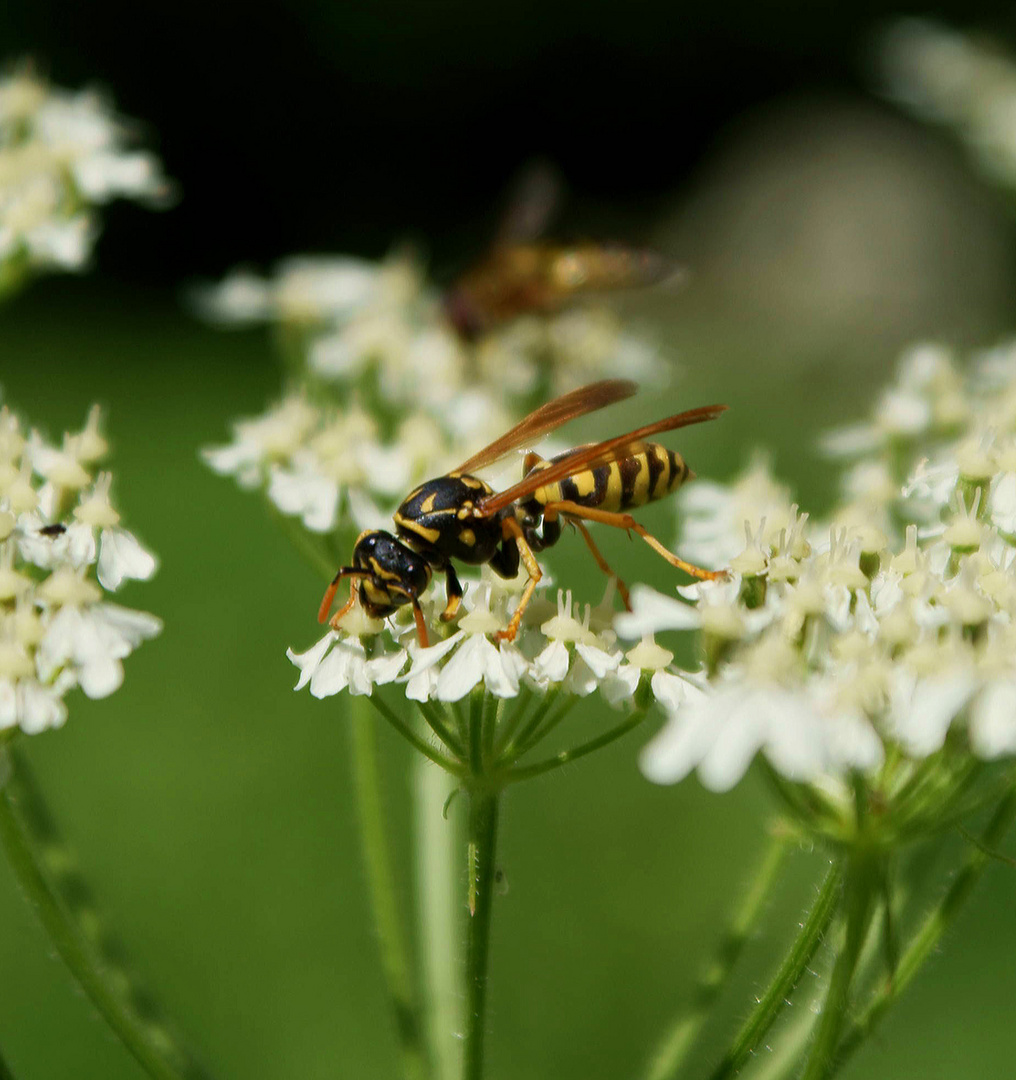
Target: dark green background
210,805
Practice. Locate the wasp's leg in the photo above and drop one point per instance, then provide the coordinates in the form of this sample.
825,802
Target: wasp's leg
550,533
334,621
326,603
627,522
505,562
421,626
453,591
601,562
513,530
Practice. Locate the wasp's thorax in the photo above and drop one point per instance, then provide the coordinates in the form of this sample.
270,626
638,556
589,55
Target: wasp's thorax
397,575
439,520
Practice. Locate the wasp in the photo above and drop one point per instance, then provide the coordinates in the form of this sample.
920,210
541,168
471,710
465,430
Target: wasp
522,273
459,518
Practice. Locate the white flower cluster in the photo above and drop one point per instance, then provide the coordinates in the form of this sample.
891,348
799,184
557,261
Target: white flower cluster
964,82
888,632
388,394
560,646
61,154
62,550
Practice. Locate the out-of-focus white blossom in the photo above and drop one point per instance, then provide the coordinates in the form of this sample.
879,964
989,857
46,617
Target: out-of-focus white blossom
870,642
965,82
62,154
62,550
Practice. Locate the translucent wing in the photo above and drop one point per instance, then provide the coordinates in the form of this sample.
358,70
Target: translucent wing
591,457
547,417
533,199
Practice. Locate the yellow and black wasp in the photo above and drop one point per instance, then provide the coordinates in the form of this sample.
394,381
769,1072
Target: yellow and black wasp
459,517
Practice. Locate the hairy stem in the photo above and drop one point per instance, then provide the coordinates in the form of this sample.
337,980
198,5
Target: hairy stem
930,933
395,960
861,887
774,999
674,1047
483,815
147,1040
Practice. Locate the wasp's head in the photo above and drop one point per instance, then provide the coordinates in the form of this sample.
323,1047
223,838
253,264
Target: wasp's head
389,574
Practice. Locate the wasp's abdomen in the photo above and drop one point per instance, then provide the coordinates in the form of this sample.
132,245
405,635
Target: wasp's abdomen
649,472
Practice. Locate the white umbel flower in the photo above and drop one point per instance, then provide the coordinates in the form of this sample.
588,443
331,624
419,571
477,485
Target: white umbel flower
62,551
61,154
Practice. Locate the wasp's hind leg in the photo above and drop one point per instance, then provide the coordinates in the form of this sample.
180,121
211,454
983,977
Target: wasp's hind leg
601,562
453,591
627,522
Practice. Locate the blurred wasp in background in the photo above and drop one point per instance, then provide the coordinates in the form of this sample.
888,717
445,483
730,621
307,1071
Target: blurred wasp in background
459,517
521,273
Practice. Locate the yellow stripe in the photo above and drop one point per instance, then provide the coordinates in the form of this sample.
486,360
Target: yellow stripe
430,535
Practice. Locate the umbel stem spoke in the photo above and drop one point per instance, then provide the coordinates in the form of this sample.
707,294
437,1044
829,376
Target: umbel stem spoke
149,1041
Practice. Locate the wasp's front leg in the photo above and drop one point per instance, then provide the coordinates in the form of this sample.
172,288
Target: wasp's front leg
453,591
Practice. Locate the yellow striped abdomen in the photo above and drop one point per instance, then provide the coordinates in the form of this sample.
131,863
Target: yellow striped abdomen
649,472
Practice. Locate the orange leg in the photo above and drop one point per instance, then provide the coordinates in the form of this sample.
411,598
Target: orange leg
334,621
627,522
326,603
601,562
512,529
421,627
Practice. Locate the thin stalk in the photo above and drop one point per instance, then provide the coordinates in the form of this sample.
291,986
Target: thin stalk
149,1044
926,939
483,814
441,729
526,772
674,1047
786,1051
861,888
511,749
488,727
518,713
774,1000
538,733
440,905
395,960
407,733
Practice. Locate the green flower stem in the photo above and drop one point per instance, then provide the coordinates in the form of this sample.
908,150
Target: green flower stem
511,746
674,1047
483,814
381,883
515,718
526,772
441,729
439,904
150,1045
860,891
926,939
539,732
774,999
407,733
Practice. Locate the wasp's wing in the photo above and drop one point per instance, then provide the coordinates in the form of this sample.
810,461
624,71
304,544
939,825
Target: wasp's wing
547,417
592,456
533,198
